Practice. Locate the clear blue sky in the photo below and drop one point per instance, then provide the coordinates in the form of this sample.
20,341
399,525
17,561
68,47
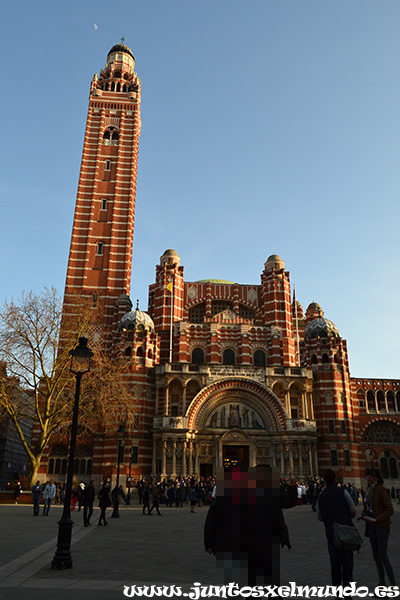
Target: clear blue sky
267,127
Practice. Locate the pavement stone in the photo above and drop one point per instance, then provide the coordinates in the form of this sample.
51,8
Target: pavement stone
138,549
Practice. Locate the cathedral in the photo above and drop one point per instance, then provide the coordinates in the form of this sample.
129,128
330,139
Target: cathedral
221,374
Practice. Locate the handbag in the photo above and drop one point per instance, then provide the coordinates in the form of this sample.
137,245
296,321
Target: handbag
346,537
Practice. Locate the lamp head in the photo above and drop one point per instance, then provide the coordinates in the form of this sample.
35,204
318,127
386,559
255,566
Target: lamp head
80,357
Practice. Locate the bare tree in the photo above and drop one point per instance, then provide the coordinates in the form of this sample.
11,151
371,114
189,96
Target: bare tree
36,382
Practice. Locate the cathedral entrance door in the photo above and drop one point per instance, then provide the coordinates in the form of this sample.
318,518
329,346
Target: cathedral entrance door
236,456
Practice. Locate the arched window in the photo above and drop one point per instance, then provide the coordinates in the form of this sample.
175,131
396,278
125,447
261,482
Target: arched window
117,74
150,354
113,87
197,312
128,351
139,351
192,389
58,456
106,135
198,356
390,401
382,433
325,358
115,136
380,396
99,248
314,359
295,402
104,204
124,88
228,357
175,396
118,87
371,400
279,391
259,358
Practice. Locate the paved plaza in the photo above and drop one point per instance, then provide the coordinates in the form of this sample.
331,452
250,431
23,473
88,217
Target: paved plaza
137,549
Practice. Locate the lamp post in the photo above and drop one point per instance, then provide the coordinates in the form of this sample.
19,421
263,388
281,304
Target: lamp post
80,364
120,435
128,497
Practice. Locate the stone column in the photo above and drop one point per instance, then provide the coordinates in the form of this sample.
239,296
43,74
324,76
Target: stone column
173,458
190,468
164,459
300,461
196,460
183,400
154,467
184,447
291,466
166,400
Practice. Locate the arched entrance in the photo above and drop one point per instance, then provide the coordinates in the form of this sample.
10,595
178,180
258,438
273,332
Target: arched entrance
245,424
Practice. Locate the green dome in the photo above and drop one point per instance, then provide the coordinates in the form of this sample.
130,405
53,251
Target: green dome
216,281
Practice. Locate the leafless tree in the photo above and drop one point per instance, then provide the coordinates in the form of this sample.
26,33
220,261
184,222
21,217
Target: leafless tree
35,381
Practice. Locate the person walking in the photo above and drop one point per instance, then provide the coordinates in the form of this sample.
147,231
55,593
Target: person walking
49,493
156,500
334,505
146,499
192,499
37,492
88,499
378,509
17,491
104,503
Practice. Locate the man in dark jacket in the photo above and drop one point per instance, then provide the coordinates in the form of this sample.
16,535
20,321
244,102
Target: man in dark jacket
88,499
245,525
334,505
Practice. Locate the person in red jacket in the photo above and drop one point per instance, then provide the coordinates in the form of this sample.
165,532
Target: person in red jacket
378,508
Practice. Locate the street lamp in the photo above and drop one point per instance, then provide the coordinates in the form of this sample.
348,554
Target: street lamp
120,435
128,497
80,364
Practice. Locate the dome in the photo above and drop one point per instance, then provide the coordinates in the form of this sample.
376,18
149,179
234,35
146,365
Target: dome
314,306
121,48
274,262
136,319
170,257
320,327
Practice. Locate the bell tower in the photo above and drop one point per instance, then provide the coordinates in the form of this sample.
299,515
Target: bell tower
100,259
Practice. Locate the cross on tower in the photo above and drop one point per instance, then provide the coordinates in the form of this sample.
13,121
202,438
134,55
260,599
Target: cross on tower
122,40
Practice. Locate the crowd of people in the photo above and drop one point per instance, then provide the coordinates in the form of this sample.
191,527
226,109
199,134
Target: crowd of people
334,502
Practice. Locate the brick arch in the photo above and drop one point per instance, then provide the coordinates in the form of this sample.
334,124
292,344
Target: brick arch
375,422
257,396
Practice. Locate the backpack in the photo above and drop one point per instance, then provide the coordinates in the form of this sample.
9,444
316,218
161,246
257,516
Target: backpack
346,537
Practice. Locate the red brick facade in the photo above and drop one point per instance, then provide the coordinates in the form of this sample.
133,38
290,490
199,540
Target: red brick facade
215,369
